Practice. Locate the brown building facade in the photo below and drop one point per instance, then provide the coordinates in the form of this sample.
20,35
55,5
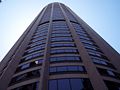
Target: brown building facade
59,51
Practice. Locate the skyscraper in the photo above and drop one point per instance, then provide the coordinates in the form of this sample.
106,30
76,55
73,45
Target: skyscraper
59,51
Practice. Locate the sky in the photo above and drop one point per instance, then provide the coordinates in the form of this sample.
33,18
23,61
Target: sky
16,15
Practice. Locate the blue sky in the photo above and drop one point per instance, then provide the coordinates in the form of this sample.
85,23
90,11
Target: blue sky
16,15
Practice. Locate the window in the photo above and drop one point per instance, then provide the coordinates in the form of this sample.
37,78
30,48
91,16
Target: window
69,15
72,68
65,59
58,51
46,16
62,39
38,39
40,35
90,46
53,85
37,43
80,32
29,65
109,73
61,35
87,42
61,69
112,85
64,31
39,61
70,84
33,86
99,62
25,66
62,45
25,76
67,69
75,82
79,28
33,55
99,58
82,37
53,69
57,13
63,84
95,53
36,48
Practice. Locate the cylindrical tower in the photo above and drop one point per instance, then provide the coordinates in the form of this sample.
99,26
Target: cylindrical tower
59,51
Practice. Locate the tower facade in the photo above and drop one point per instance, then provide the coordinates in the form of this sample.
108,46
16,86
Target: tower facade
59,51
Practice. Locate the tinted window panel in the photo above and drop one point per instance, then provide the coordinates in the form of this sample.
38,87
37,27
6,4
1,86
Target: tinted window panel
76,84
63,84
52,85
62,69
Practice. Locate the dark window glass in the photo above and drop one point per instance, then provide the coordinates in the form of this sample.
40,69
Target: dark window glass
65,59
53,69
39,61
47,14
57,13
67,69
25,76
62,68
25,66
62,45
72,68
58,51
77,84
61,39
33,86
63,84
109,73
52,85
112,85
81,68
70,84
33,55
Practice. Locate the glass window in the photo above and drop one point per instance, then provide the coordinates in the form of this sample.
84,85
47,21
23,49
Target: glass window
72,68
24,66
36,48
39,61
21,77
110,73
62,68
63,84
66,69
33,86
61,39
52,85
81,68
33,55
25,76
65,58
112,85
104,63
62,45
70,84
57,13
77,84
53,69
58,51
